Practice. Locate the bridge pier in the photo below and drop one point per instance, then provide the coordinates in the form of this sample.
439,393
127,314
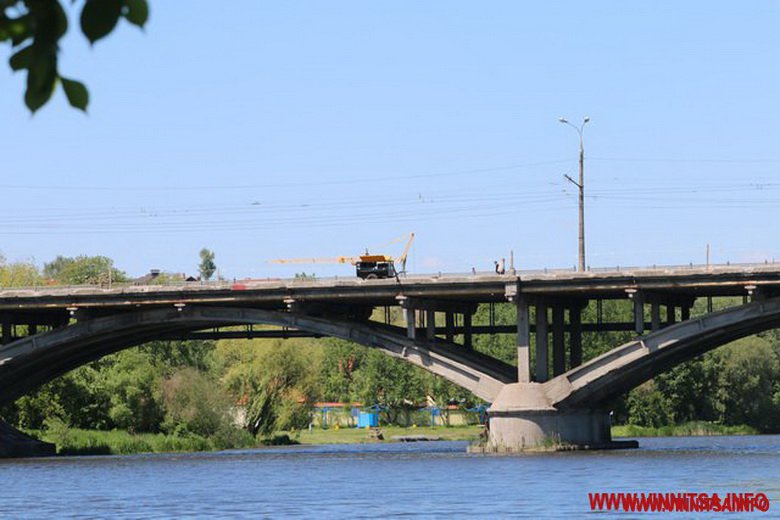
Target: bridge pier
522,419
14,443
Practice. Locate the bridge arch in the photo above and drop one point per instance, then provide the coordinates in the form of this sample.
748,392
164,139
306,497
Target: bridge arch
32,361
612,374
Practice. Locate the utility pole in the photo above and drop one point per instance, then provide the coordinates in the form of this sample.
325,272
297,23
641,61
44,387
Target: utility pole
581,186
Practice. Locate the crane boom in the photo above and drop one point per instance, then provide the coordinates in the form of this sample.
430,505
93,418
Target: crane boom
334,260
368,266
402,258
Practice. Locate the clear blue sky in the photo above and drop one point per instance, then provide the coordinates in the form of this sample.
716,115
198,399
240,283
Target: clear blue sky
290,129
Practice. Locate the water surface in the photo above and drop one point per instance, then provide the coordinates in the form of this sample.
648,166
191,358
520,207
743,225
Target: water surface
434,479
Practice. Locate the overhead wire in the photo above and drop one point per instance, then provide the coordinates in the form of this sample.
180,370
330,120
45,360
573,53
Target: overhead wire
395,207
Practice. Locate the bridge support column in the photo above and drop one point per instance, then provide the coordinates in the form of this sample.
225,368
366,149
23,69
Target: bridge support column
542,360
559,338
7,330
521,419
671,314
523,341
639,313
575,335
467,331
450,326
655,315
430,325
411,323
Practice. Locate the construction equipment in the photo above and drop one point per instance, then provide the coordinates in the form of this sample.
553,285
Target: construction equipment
367,266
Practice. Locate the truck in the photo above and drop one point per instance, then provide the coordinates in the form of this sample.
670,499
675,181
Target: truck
367,266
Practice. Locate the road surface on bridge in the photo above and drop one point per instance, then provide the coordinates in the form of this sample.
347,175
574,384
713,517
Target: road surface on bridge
693,281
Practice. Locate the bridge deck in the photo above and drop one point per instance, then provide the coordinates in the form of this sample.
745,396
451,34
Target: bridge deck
718,280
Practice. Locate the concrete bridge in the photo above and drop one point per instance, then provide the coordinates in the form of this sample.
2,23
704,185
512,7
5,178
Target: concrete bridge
550,397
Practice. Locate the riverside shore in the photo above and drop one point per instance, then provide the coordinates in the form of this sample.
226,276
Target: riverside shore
72,441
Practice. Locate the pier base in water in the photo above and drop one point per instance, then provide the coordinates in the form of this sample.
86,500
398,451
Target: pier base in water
14,443
521,419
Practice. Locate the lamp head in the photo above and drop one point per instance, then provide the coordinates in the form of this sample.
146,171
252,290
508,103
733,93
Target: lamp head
562,120
586,120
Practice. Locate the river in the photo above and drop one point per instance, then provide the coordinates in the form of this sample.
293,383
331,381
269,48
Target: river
433,479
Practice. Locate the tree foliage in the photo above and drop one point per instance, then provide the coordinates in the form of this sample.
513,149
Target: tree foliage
351,372
82,270
207,267
18,274
276,384
733,385
34,28
193,402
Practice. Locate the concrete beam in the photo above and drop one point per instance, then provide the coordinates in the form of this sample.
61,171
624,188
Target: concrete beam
431,304
221,333
31,361
624,367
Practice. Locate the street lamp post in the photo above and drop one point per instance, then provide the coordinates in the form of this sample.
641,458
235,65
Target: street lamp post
581,186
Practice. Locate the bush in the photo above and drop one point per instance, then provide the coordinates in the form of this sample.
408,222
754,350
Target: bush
194,404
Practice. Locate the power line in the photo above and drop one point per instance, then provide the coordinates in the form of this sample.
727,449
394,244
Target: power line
683,160
369,178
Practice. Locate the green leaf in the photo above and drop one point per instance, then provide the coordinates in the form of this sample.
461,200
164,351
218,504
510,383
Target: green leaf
17,30
77,93
136,12
22,59
50,22
41,80
60,21
99,17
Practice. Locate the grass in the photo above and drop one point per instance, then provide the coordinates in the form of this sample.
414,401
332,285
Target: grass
359,436
74,441
688,429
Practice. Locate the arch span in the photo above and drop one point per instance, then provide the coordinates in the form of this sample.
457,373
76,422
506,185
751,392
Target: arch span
608,376
32,361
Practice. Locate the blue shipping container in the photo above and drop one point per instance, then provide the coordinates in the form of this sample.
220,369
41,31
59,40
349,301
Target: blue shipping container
366,419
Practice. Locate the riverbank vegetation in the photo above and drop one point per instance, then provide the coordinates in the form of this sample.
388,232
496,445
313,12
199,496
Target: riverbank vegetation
194,395
688,429
76,441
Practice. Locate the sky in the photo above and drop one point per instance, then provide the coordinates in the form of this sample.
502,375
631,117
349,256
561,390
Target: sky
266,130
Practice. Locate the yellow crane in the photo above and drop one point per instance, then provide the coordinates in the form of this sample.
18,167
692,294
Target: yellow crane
367,266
